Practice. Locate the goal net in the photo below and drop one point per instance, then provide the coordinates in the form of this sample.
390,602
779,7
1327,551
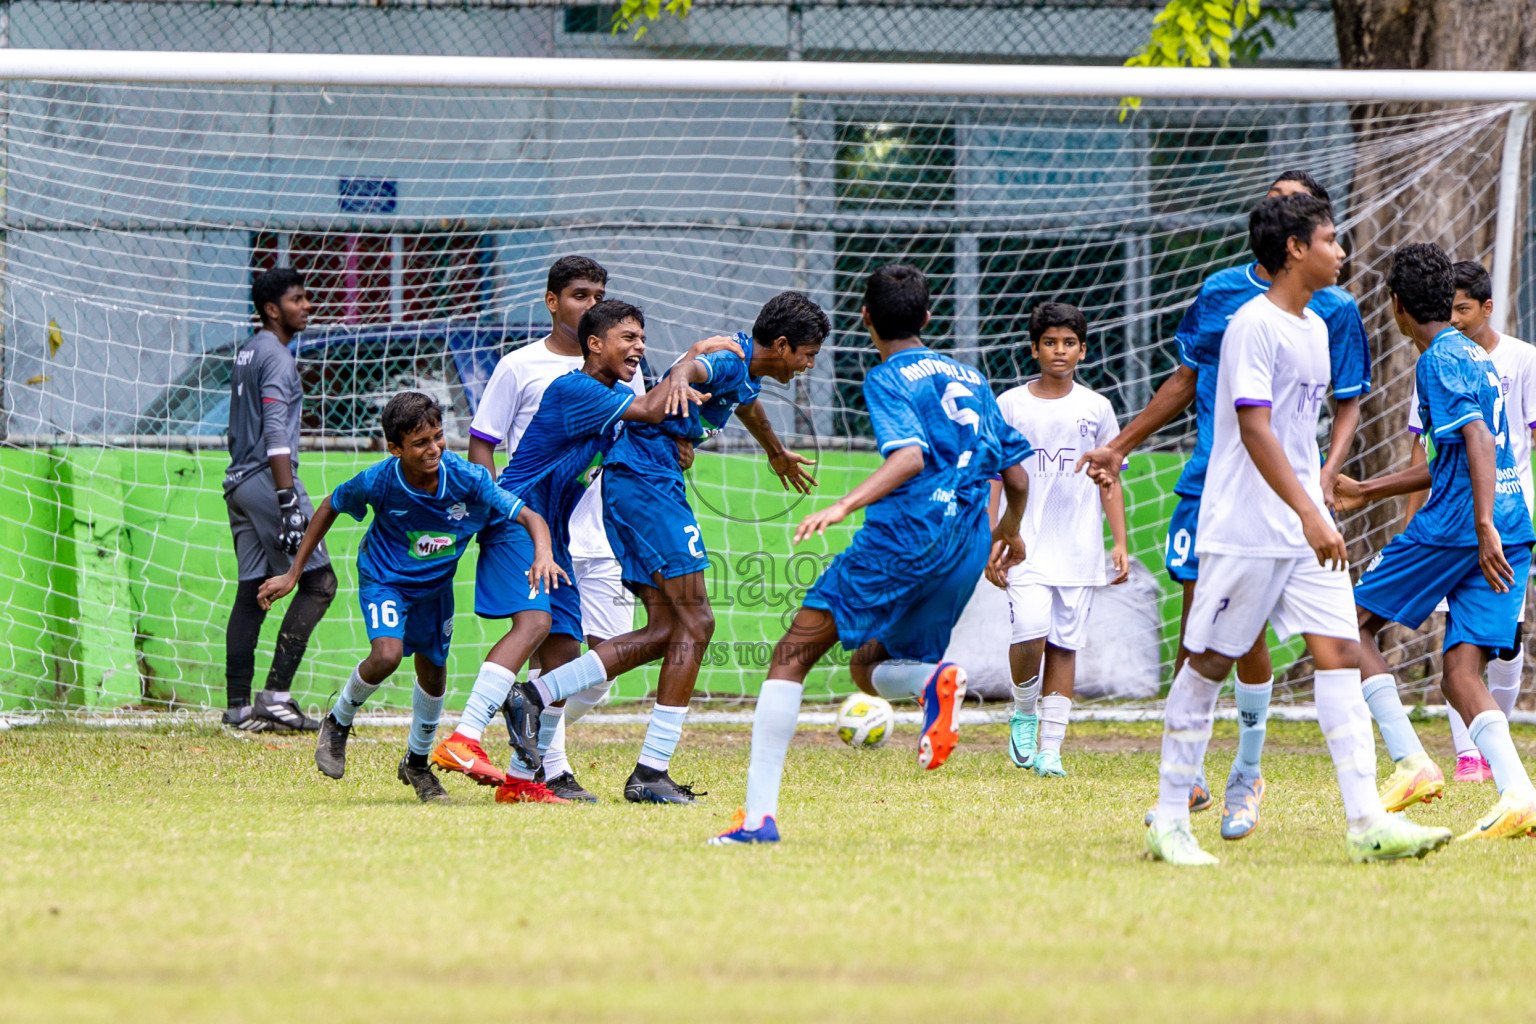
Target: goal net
425,220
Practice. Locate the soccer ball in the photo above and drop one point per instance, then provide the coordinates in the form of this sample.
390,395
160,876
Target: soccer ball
865,721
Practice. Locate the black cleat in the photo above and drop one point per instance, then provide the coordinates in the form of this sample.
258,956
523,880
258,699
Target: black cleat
277,711
423,781
565,785
243,718
649,786
521,710
331,750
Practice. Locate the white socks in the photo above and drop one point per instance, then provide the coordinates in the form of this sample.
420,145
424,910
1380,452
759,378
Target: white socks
1346,723
900,680
1490,731
490,691
773,726
1025,695
1053,721
1504,681
352,696
1187,721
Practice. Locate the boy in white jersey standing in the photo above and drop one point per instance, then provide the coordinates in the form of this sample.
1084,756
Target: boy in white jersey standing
1269,551
1050,594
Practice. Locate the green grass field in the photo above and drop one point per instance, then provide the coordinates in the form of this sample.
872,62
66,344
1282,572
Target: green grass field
190,875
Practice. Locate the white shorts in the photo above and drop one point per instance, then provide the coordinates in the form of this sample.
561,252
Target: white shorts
1235,596
1060,614
607,608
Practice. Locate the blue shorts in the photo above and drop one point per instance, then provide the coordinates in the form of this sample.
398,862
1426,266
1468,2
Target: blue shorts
650,526
501,584
1180,558
912,616
423,622
1407,579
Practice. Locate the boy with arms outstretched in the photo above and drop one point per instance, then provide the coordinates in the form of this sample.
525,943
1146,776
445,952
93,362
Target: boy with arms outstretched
1469,544
897,590
427,502
1050,595
658,542
1269,551
582,414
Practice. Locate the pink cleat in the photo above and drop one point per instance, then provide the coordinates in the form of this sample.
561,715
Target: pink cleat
1472,768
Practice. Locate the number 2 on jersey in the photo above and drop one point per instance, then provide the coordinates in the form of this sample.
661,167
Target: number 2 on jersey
695,546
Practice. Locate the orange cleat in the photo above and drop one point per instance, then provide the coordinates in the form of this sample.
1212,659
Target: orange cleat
941,714
521,791
459,753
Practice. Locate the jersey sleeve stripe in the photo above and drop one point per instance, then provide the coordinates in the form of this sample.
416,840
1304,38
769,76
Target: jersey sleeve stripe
1348,392
482,435
1451,428
1262,403
904,442
1415,430
517,506
279,451
618,412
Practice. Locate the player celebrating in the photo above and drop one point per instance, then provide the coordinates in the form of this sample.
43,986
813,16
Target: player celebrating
1515,363
1468,544
897,590
427,503
269,508
1049,596
1269,551
565,441
658,542
1199,342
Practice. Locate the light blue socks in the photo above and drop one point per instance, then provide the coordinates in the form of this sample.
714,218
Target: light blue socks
425,711
353,696
1252,724
1490,731
1397,733
570,679
661,736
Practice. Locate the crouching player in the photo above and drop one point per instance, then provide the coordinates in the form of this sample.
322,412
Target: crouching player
1050,595
1268,548
897,590
1469,544
427,503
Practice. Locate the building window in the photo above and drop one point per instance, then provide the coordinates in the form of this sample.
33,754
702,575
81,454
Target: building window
885,164
588,19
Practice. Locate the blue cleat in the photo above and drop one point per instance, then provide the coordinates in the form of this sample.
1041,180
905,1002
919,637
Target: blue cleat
1240,810
740,835
1023,739
1048,762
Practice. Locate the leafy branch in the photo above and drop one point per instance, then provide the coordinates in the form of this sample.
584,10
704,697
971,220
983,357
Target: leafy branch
630,13
1199,33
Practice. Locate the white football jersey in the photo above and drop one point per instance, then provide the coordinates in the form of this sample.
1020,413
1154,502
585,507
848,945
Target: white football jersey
511,398
1515,362
1273,359
1063,525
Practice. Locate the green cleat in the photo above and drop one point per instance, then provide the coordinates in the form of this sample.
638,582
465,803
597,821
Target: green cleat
1023,739
1048,762
1176,845
1394,837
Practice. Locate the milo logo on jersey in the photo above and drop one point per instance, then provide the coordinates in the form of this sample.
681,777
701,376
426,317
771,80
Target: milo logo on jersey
427,545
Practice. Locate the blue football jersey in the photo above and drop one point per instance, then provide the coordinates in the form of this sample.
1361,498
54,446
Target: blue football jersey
918,397
563,448
416,538
1457,384
649,446
1199,340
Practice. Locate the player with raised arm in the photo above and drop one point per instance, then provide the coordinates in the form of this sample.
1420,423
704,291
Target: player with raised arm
1469,544
1515,363
427,503
893,596
1199,339
269,509
1268,548
658,541
1050,595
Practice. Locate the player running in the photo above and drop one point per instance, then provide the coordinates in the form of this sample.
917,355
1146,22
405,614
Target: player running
1269,550
1469,544
658,542
898,588
1049,596
1199,340
427,502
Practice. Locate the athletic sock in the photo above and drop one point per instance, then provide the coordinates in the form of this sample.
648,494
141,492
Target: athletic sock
1490,731
1252,724
661,736
1504,681
555,763
570,679
352,696
773,726
1380,692
898,680
1025,695
1459,734
1054,711
1187,721
1346,724
490,692
425,711
578,706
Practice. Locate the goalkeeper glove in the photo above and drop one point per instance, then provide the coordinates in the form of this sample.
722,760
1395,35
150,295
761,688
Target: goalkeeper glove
291,520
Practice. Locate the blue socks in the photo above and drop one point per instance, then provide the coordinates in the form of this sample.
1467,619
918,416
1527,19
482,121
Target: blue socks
901,680
1397,733
353,696
491,688
661,736
425,711
1252,723
570,679
1490,731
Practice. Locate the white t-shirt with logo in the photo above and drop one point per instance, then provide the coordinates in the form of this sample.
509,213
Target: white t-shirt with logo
1515,363
510,399
1274,359
1063,525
